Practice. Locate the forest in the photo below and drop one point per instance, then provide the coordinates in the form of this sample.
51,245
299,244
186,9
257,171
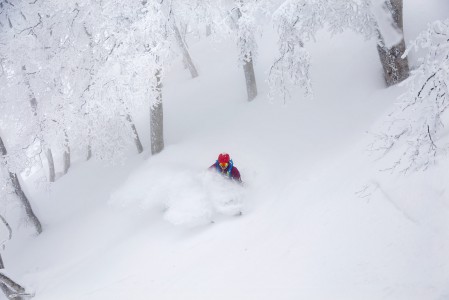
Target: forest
333,111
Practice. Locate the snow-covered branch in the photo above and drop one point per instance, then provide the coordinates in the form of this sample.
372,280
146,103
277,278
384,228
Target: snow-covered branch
297,23
416,127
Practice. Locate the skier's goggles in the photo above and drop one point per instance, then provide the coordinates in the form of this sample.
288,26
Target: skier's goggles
223,165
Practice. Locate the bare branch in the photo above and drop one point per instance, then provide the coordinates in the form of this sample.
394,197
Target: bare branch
430,137
31,28
7,226
76,16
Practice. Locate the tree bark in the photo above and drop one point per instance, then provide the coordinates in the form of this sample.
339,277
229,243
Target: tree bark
7,227
10,288
66,154
133,128
156,119
19,192
7,291
51,166
89,145
185,52
25,202
136,135
250,79
66,158
2,265
395,67
11,283
89,152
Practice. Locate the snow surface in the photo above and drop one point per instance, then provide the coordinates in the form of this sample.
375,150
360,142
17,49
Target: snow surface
320,221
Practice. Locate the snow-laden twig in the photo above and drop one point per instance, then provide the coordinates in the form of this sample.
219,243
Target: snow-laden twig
297,23
415,127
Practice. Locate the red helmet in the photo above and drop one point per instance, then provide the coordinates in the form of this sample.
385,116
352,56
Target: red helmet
223,158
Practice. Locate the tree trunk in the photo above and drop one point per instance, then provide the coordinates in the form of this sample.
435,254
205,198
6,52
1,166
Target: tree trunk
11,283
133,128
66,158
208,30
185,52
7,227
32,97
51,166
19,192
396,69
136,135
33,103
25,202
250,78
10,288
157,120
248,69
7,291
89,152
66,154
2,265
89,145
184,28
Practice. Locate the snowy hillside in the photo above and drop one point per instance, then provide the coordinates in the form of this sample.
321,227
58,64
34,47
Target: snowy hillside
320,220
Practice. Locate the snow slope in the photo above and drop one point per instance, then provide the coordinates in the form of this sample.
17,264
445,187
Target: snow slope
319,220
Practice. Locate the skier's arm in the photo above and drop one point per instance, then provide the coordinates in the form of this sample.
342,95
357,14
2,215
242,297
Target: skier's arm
235,174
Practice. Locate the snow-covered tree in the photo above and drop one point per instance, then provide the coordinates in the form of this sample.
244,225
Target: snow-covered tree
21,53
298,21
13,184
143,33
415,129
182,8
239,20
246,42
59,54
10,288
395,66
197,15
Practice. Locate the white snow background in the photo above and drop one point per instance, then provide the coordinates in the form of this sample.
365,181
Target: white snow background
320,221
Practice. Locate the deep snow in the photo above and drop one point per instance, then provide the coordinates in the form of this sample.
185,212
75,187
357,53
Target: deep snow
319,220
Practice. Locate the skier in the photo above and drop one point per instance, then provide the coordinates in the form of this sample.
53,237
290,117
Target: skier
225,167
